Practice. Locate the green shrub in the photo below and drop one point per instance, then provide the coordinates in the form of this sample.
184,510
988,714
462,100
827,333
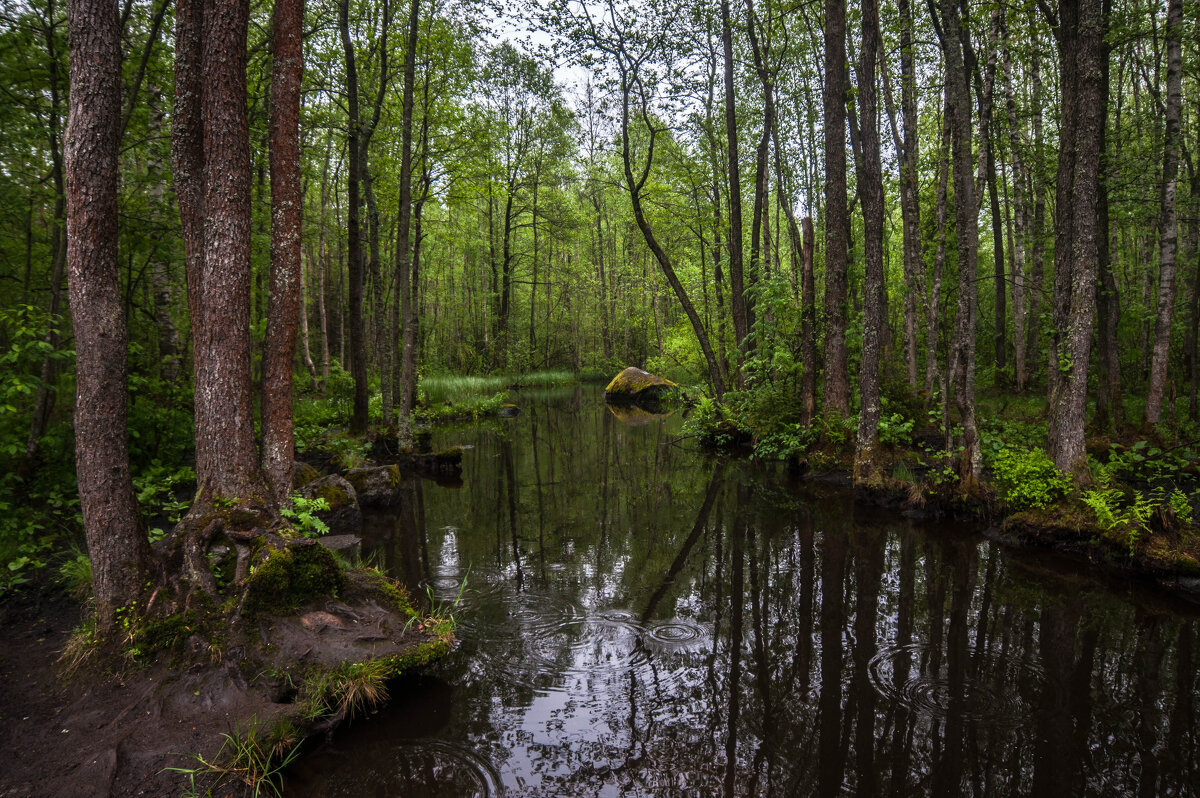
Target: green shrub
782,445
1027,479
302,514
895,430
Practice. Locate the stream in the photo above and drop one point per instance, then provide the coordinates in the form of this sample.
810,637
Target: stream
637,617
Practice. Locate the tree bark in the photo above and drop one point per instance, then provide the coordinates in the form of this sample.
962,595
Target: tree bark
1037,281
187,158
737,291
1168,216
962,354
808,325
283,309
223,375
866,468
358,352
116,540
837,218
404,255
910,207
1110,408
1080,39
932,377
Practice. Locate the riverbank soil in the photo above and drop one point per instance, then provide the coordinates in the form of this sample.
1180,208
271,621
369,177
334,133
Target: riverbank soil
118,733
87,737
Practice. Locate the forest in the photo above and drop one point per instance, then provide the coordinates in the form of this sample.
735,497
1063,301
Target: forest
948,251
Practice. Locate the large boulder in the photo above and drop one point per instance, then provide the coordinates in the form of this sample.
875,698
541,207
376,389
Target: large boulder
635,385
377,486
343,516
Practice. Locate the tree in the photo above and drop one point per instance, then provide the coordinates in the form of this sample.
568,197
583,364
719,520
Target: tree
953,40
871,190
283,310
354,158
117,543
837,216
1168,215
1080,34
404,250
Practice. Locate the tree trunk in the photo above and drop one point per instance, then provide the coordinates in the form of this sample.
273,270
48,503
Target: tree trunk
1081,49
284,307
866,468
223,384
962,351
1168,216
1110,409
1037,281
116,540
910,207
1018,244
187,158
404,257
932,377
837,218
737,291
660,255
358,352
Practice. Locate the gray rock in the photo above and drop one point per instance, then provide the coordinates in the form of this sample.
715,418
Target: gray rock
343,516
377,486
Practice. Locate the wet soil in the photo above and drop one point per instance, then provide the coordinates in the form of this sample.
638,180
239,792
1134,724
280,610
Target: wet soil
117,734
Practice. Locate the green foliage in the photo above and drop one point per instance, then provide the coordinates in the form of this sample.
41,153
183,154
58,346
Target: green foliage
160,420
838,431
254,757
716,424
1129,519
1181,507
895,429
26,329
1144,462
75,574
35,518
469,408
302,514
158,488
793,440
1027,479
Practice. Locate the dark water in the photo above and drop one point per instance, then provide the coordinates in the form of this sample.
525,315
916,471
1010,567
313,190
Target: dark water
641,619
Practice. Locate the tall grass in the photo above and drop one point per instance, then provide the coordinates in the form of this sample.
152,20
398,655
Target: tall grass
440,388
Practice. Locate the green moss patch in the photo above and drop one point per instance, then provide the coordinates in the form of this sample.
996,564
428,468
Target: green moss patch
634,384
291,577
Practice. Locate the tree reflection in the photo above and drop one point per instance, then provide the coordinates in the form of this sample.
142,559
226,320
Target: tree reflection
641,619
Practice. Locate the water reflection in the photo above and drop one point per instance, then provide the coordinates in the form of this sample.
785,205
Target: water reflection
641,619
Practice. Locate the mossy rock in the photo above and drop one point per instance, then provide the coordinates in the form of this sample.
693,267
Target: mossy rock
377,486
303,474
343,516
289,578
635,385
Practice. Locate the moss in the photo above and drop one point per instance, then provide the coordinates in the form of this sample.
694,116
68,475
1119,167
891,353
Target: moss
335,495
420,655
289,578
360,477
302,474
391,591
633,383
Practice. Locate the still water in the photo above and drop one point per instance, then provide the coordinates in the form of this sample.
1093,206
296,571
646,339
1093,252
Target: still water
640,618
